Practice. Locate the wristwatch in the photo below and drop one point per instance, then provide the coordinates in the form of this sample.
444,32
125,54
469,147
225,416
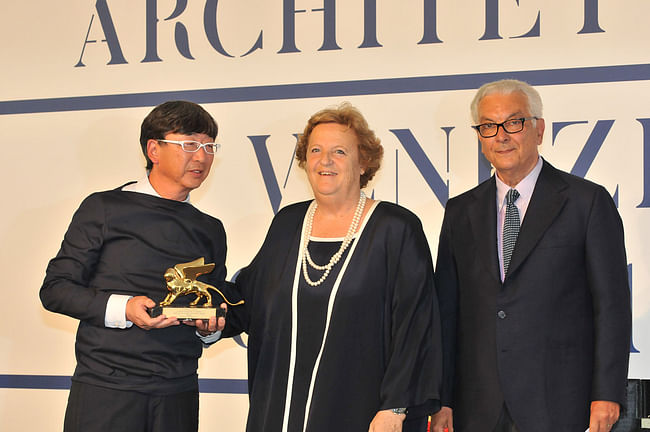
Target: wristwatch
398,410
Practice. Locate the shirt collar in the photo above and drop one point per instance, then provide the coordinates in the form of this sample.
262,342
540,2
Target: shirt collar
144,186
525,187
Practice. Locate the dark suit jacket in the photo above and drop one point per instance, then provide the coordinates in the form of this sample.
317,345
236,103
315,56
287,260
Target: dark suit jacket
555,335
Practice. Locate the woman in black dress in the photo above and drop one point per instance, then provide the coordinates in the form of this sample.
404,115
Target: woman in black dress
340,309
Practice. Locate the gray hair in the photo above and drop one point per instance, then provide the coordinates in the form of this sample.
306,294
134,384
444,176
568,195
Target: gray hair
508,86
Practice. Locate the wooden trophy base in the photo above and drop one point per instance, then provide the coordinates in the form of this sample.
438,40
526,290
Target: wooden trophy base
187,312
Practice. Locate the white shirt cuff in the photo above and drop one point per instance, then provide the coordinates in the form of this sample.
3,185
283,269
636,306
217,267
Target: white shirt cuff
116,312
209,339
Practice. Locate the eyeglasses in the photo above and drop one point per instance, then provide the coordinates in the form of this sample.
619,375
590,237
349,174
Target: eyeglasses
194,146
488,130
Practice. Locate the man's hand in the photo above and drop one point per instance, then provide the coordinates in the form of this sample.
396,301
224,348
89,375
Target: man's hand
136,312
603,416
387,421
207,327
442,421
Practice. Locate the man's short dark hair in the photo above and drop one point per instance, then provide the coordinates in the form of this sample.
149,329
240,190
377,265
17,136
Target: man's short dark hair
181,117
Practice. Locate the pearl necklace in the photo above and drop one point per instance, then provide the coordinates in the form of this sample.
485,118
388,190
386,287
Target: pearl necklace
306,257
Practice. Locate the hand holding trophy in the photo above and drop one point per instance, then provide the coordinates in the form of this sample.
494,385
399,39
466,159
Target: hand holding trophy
181,281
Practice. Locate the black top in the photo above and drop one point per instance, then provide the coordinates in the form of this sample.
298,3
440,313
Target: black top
312,315
382,347
121,243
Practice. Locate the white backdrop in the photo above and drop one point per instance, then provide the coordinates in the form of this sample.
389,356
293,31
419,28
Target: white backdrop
411,67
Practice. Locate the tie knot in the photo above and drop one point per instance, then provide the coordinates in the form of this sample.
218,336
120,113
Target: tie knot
512,196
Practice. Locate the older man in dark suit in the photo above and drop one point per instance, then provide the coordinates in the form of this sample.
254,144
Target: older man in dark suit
532,280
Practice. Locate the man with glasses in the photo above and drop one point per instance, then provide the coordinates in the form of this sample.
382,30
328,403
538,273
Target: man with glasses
532,281
134,372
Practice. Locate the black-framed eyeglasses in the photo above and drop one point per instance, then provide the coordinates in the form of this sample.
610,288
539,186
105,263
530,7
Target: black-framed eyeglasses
488,130
194,146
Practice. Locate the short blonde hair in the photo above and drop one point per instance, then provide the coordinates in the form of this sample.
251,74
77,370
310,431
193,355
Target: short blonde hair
370,150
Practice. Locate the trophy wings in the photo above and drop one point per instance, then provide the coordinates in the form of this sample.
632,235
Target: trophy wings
193,269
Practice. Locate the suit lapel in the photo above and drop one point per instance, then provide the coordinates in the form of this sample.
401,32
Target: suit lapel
546,203
483,219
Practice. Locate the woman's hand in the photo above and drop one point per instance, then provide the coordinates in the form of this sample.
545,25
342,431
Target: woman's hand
443,420
387,421
208,327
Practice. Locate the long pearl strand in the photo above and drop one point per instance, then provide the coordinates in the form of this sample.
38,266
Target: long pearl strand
306,257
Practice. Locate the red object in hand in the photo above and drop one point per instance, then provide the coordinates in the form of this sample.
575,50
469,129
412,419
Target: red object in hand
429,426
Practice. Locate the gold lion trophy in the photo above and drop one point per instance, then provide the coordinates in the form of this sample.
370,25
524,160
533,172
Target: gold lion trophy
181,281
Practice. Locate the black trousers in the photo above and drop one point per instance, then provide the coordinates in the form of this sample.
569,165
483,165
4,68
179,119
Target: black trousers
99,409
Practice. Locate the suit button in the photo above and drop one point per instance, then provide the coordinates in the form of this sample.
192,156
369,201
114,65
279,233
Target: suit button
501,314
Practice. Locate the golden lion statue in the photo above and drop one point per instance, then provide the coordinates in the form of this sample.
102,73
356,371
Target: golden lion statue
181,280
